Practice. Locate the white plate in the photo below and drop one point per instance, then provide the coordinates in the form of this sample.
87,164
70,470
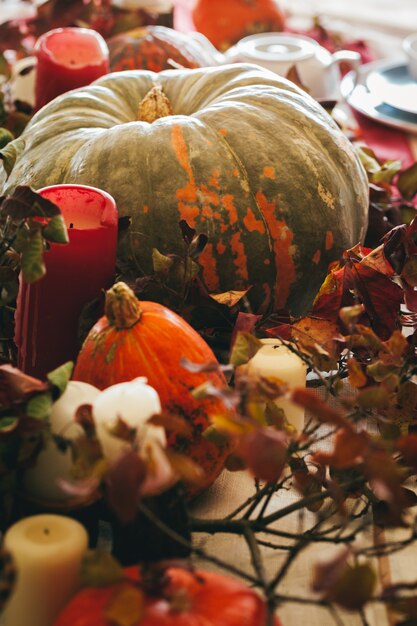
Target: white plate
356,92
394,86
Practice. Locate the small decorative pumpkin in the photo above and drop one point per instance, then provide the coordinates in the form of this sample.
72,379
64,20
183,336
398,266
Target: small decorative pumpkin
224,23
147,339
154,48
197,598
134,402
40,483
241,154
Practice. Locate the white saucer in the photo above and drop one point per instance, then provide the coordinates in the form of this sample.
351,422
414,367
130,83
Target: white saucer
395,87
361,96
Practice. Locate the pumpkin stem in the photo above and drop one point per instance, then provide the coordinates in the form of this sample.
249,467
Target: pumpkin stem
121,307
154,105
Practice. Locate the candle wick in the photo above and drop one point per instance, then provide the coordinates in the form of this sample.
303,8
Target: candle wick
71,225
46,531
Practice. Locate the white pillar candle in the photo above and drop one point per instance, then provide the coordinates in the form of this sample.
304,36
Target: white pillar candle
275,359
41,481
47,551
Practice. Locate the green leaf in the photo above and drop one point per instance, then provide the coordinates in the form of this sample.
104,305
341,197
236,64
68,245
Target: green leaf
60,376
100,569
368,159
407,182
56,230
7,424
32,265
387,172
39,406
244,348
10,153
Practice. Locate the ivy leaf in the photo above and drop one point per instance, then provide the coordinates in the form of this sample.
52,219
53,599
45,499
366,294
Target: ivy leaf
407,182
126,606
24,203
32,264
60,376
39,406
100,569
56,230
349,449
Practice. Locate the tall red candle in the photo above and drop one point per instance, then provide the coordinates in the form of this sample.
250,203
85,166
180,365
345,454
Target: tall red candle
48,311
68,58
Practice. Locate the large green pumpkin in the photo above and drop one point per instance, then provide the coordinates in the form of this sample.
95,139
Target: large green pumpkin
246,157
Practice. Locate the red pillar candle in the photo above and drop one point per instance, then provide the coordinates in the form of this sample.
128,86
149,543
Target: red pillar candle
48,311
68,58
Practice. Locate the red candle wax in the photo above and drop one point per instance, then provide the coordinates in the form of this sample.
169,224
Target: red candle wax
48,311
68,58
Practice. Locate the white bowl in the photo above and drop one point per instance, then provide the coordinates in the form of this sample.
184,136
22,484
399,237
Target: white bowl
409,46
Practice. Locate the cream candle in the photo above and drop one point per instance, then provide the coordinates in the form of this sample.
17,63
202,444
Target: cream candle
275,359
47,550
41,481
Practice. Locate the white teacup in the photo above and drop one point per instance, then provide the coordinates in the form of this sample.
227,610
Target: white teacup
317,68
409,46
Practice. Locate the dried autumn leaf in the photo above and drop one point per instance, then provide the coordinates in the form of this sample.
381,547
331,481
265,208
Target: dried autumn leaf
357,376
244,348
373,398
409,272
174,423
126,606
354,587
407,182
185,468
16,386
265,452
229,298
99,569
349,449
322,411
123,482
407,445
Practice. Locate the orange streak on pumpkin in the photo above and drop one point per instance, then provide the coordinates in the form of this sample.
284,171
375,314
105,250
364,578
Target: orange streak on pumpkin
282,242
221,248
223,228
252,224
230,208
209,264
329,240
187,195
214,179
210,196
316,257
240,260
269,172
235,172
223,132
145,208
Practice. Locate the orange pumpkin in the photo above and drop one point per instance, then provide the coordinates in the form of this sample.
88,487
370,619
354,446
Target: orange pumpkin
224,23
190,599
147,339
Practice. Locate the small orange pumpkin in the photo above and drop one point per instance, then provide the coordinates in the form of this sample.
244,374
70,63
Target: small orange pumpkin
224,23
148,339
190,599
